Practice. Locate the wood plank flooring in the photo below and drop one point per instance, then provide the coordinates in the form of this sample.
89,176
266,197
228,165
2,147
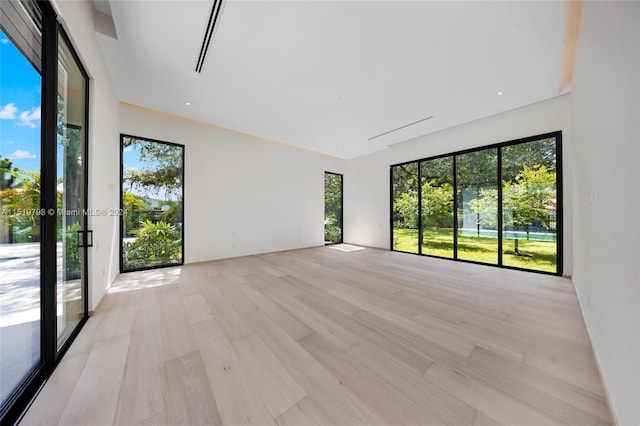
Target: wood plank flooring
323,337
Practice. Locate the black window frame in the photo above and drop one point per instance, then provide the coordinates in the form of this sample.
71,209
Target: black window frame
498,146
341,207
121,217
45,17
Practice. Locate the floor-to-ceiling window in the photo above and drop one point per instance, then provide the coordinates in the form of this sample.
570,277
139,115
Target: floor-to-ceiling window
404,207
332,208
477,196
529,205
43,194
497,205
152,188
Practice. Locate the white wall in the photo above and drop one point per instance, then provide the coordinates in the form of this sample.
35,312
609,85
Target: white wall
104,155
366,181
242,195
606,115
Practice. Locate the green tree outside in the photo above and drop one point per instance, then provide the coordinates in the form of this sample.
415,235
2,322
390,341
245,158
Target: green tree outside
529,205
332,208
152,201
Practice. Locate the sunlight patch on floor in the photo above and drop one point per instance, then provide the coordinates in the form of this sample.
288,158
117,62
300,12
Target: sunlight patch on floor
347,248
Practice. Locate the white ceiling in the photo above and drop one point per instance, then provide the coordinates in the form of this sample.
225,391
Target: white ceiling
329,75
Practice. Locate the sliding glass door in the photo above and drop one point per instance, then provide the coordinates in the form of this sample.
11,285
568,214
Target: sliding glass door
43,197
497,205
152,188
332,208
72,241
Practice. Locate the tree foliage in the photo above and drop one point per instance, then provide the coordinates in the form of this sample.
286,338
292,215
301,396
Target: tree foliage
152,200
514,157
477,169
437,205
70,140
404,181
23,196
405,210
156,243
437,192
134,211
332,197
530,198
528,187
161,171
527,200
332,207
7,179
486,207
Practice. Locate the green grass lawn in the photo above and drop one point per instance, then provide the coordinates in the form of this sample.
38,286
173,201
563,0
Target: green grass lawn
536,255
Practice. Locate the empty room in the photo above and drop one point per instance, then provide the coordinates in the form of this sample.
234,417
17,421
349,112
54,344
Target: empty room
292,213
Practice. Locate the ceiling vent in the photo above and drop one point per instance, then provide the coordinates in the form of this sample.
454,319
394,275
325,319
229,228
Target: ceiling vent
216,10
401,127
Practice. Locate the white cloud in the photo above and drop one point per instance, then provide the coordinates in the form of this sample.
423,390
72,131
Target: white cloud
8,112
21,154
4,40
28,118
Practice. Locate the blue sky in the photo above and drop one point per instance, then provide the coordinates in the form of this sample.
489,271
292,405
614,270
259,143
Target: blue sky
132,159
20,99
20,93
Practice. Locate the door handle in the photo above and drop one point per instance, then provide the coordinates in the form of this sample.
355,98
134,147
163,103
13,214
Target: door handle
85,238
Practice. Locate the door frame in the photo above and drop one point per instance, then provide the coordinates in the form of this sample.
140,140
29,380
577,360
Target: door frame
13,408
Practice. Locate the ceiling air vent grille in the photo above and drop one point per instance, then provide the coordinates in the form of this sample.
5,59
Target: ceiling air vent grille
401,127
216,10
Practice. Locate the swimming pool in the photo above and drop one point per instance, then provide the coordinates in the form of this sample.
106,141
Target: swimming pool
511,235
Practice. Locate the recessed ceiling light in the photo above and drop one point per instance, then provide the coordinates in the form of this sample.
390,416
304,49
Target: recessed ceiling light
500,93
188,103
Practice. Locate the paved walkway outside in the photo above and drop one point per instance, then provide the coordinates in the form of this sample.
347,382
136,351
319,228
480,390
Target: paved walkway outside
20,309
19,283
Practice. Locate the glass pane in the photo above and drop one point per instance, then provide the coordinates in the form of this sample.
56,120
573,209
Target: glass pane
437,207
152,188
71,192
332,208
477,179
404,190
20,216
529,205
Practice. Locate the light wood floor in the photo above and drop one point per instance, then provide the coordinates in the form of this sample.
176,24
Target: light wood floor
323,337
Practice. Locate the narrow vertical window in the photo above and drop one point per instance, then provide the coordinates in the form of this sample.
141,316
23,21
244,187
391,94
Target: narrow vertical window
333,199
152,175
